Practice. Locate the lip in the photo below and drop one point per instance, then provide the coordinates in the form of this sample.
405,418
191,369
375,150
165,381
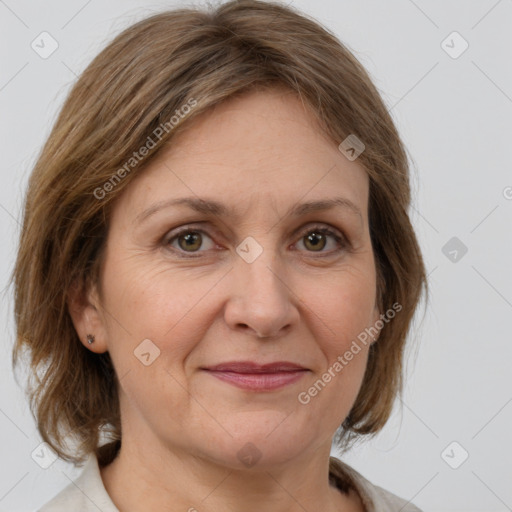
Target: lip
252,367
258,377
259,381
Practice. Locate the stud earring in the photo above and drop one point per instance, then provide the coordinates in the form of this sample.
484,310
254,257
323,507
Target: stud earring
90,339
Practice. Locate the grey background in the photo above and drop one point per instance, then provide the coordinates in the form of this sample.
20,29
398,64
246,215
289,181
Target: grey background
455,117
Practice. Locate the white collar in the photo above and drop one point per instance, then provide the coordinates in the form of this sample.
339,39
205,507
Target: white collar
86,493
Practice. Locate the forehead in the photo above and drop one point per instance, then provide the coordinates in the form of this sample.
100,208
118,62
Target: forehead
262,149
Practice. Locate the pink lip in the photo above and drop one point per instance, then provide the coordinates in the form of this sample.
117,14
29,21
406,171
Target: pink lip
259,381
258,377
250,367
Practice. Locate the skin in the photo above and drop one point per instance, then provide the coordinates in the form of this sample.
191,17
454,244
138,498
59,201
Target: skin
260,154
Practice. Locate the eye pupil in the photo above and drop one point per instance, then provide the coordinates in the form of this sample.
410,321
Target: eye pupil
191,240
316,239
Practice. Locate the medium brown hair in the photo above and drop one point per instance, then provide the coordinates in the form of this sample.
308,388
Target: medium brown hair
133,87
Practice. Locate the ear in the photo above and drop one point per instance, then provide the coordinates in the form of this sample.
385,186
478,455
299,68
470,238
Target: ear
87,315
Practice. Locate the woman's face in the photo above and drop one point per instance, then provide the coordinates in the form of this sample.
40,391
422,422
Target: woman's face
260,276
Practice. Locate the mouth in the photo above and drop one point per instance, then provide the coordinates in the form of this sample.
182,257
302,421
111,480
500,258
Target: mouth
258,377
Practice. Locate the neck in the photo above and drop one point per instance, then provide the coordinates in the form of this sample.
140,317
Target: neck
176,480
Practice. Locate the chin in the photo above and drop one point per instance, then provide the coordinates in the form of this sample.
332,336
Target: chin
264,445
251,456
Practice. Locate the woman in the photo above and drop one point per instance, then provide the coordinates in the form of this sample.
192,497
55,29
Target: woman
217,272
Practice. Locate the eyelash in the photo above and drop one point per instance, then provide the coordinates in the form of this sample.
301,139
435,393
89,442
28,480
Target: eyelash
340,240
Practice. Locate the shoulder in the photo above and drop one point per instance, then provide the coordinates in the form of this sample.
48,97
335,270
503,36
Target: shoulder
85,494
374,498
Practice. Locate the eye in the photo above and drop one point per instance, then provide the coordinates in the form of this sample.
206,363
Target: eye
317,238
189,240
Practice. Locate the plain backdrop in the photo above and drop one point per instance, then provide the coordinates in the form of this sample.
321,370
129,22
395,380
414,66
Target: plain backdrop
447,446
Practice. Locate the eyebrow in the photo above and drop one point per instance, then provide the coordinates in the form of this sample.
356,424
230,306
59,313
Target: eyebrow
211,207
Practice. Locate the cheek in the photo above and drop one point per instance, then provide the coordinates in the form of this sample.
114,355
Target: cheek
344,313
150,298
345,308
345,304
146,302
151,304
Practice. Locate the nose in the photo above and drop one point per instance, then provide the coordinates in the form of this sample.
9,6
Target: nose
262,302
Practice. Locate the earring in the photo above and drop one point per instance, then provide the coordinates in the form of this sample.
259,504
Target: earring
90,338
